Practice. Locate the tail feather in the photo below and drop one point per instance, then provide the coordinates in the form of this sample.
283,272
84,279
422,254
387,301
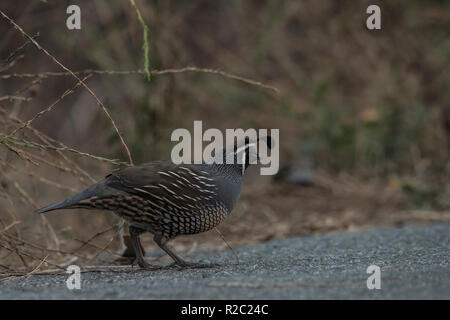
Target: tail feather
64,204
96,190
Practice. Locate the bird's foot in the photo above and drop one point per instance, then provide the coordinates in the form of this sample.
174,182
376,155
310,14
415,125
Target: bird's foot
147,266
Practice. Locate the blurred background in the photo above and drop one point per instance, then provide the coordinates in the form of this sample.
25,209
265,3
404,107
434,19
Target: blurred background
364,116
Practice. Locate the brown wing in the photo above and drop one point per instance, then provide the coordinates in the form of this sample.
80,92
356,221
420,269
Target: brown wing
166,185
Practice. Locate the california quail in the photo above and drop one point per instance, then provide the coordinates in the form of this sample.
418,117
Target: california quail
166,199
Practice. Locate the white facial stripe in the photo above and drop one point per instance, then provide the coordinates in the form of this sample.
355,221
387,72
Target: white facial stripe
245,147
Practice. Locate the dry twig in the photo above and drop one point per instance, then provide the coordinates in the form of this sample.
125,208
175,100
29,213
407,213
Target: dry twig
102,106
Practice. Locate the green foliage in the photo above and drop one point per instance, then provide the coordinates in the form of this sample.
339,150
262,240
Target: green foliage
345,139
12,141
145,45
426,197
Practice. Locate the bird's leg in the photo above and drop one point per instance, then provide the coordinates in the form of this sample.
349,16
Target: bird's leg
134,235
123,247
126,250
161,241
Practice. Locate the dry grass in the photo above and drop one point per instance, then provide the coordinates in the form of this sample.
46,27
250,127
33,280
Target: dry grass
23,253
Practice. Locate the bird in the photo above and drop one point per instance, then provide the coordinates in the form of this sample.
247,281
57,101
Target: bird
168,199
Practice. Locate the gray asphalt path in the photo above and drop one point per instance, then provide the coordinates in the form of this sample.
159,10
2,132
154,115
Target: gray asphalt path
414,264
